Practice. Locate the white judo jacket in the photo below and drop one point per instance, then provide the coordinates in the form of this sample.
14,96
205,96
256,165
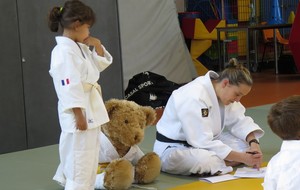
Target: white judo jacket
193,114
75,72
283,168
108,153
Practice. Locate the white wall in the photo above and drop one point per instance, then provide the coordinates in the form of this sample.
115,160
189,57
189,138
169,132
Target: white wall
151,40
181,5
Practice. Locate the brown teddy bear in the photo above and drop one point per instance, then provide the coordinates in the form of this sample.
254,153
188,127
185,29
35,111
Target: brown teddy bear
123,161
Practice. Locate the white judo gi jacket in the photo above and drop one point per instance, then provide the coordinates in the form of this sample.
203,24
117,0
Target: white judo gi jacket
283,169
193,114
75,72
108,153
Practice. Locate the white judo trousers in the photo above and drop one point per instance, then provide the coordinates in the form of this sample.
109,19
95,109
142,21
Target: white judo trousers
75,71
78,152
183,160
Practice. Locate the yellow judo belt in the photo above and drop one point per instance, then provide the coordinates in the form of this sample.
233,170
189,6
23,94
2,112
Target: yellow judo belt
102,167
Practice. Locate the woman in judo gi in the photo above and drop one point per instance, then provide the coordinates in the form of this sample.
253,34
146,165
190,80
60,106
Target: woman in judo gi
284,120
203,129
75,70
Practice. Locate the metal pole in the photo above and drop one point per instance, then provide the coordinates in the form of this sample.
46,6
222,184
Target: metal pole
275,51
219,50
248,48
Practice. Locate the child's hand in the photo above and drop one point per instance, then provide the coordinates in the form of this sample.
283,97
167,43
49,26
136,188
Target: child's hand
80,119
81,124
92,41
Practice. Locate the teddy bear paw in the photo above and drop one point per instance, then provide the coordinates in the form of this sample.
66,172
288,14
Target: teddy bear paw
119,174
147,168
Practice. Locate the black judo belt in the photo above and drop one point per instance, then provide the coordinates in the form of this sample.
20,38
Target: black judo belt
163,138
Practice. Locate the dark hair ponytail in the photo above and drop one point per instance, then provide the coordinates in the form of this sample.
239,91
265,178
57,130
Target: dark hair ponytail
54,19
72,11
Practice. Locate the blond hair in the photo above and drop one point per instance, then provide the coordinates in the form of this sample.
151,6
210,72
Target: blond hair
236,73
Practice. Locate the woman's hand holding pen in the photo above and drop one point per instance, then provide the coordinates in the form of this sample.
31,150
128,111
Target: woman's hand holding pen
253,159
254,155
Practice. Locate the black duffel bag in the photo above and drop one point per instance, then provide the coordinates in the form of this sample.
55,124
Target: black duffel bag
150,89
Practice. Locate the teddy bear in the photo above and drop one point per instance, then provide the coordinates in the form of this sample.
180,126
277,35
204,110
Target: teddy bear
121,161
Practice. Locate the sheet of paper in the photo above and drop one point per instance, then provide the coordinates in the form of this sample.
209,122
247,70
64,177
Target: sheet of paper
247,172
217,179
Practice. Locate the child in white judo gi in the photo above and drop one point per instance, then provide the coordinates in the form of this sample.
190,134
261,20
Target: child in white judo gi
283,168
203,129
75,70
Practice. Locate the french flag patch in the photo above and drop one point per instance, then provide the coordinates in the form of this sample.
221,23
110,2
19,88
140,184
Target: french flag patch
65,82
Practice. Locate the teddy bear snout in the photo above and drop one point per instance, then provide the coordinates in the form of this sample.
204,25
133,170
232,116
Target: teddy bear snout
136,137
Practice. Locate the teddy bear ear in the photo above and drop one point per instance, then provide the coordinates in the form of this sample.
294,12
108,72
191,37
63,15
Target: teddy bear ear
111,105
150,115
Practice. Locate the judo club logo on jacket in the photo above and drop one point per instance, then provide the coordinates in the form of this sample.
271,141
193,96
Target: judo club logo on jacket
65,82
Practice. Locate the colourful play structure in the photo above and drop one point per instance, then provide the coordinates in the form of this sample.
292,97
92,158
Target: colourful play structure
201,36
202,18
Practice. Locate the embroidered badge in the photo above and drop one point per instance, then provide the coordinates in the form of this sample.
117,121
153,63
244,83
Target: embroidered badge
204,112
65,82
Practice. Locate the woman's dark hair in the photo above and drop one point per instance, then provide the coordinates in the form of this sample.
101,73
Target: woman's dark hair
236,73
284,118
71,12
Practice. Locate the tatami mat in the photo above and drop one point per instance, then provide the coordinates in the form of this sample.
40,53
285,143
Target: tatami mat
33,169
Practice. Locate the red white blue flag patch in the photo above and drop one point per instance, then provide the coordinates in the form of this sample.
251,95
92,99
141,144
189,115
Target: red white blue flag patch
65,82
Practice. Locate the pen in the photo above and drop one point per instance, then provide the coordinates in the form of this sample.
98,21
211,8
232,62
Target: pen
255,152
